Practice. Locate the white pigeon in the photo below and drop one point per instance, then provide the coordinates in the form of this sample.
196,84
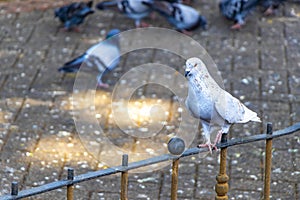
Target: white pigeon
211,104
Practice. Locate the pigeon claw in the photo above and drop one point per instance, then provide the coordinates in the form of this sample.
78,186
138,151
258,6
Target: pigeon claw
208,145
236,26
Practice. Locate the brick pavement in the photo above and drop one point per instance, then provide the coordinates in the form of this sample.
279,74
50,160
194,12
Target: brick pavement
259,64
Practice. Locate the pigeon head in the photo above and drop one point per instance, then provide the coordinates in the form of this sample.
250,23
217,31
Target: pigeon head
112,33
193,65
203,22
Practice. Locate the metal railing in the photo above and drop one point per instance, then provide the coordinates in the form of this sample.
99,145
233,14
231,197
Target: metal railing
222,178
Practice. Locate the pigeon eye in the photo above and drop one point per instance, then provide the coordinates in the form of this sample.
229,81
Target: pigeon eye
195,65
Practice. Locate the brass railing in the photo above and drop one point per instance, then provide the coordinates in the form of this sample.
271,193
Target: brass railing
222,178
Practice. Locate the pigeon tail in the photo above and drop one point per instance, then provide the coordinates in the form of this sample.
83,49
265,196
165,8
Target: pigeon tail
68,69
202,22
106,4
256,119
73,65
85,12
250,116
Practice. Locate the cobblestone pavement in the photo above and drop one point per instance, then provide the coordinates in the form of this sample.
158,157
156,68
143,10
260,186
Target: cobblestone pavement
38,140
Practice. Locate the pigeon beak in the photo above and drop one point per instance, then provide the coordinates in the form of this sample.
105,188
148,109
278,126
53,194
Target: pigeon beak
186,73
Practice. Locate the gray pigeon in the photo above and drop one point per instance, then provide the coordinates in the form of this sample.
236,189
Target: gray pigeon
73,14
179,1
134,9
184,18
211,104
105,56
237,10
271,5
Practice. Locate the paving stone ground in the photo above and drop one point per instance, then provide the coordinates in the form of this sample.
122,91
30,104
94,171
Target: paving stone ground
38,139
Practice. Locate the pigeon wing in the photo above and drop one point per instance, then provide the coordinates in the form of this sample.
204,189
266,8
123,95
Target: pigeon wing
233,111
163,8
230,108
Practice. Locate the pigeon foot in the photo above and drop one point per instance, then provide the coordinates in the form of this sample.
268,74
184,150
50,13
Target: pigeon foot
64,29
236,26
188,33
103,85
209,145
143,25
76,29
269,11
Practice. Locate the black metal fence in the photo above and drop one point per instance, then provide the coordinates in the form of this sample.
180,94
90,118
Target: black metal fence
222,179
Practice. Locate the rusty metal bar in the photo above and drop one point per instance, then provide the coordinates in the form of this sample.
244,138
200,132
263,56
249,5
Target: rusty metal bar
174,186
70,188
124,178
14,188
268,162
222,178
254,138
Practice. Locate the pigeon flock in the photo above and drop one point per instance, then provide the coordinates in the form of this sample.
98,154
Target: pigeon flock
179,13
206,100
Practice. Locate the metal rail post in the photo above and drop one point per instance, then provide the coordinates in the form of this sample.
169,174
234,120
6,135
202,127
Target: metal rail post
174,186
14,188
124,179
268,162
70,188
222,178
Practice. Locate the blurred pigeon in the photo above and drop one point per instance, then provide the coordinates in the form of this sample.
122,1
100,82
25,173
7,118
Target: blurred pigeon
134,9
271,5
179,1
211,104
73,14
237,10
99,55
184,18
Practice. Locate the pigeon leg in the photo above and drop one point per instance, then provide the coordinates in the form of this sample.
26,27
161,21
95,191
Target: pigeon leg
236,26
143,25
64,29
218,138
103,85
188,33
139,24
153,16
76,29
269,11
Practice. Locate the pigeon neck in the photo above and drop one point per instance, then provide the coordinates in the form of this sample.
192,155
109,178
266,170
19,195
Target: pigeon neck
204,80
